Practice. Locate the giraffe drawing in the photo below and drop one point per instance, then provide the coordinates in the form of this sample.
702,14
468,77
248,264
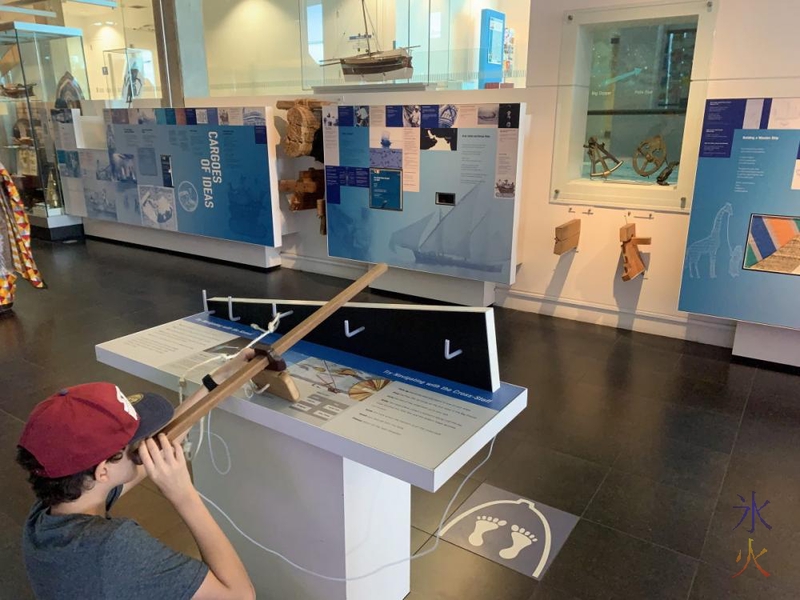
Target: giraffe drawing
708,245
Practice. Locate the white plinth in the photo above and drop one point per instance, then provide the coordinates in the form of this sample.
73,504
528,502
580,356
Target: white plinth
324,512
772,344
218,249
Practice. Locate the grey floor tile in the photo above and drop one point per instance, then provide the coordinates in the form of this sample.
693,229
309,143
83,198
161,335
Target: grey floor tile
427,508
675,463
598,563
451,573
543,475
418,539
656,513
720,584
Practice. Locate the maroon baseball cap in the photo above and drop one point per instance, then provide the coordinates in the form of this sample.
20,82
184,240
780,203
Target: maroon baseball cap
81,426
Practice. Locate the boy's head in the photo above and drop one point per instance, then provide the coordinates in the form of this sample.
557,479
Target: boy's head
84,434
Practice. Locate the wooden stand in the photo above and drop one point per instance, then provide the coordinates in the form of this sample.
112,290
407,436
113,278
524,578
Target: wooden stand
633,265
567,236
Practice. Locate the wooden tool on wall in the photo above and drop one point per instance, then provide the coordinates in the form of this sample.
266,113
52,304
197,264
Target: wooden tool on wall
633,265
567,236
268,367
306,190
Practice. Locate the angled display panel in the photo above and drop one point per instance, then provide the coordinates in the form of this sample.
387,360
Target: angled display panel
744,234
208,172
425,187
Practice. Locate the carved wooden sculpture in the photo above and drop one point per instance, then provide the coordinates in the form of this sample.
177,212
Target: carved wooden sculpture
303,118
633,265
305,192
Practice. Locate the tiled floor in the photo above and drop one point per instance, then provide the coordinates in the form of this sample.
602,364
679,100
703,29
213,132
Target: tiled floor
650,440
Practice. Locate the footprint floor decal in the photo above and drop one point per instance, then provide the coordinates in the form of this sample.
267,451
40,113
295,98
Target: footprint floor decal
518,533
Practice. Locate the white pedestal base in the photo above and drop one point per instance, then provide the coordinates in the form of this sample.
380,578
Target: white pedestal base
772,344
234,252
325,513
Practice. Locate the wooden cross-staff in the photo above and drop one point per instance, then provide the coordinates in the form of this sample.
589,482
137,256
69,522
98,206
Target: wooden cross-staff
184,421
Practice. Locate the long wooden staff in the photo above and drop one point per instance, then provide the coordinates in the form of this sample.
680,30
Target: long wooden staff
184,421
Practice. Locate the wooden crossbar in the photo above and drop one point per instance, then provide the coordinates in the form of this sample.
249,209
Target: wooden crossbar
185,420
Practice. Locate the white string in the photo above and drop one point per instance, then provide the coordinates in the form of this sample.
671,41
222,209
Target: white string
211,449
374,571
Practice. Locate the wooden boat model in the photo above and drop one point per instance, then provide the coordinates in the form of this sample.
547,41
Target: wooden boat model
374,65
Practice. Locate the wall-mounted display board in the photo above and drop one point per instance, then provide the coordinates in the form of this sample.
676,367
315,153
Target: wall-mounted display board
425,187
204,171
743,251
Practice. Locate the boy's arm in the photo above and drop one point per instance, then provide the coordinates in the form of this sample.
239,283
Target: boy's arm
227,578
219,375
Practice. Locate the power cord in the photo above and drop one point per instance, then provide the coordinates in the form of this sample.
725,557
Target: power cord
374,571
250,391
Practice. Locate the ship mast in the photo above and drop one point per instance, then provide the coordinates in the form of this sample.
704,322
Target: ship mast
366,27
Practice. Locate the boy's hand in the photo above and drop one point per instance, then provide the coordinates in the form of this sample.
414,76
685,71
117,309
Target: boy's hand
230,367
166,466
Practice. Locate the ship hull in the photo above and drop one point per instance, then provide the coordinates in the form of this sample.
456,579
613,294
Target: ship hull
432,258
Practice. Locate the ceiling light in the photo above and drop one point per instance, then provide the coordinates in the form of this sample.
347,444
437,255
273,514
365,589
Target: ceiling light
111,23
97,23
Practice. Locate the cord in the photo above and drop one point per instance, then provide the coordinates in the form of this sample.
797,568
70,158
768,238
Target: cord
250,390
374,571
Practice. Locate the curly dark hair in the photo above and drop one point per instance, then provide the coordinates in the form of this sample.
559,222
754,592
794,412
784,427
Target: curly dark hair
52,491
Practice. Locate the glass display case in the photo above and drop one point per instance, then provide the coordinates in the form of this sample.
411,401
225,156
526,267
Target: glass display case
630,102
439,43
41,67
130,74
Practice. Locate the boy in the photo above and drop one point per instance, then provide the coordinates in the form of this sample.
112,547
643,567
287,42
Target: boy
85,447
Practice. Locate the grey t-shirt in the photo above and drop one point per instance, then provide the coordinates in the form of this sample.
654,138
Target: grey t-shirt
90,557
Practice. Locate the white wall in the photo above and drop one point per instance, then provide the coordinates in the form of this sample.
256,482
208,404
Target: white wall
754,54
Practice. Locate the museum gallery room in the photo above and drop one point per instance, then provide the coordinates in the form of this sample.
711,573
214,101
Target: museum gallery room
399,299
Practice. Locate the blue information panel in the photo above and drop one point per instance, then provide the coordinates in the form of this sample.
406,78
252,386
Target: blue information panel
743,250
208,172
426,187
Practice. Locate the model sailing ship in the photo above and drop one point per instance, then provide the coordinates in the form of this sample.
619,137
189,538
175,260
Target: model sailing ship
373,65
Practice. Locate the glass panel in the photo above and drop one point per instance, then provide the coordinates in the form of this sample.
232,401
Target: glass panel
250,47
40,65
638,94
121,49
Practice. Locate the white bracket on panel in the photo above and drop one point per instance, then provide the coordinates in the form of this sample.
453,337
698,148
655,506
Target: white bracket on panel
230,310
450,355
275,312
349,333
205,304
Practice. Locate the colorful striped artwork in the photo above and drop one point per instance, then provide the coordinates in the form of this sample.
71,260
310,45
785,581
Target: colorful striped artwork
773,244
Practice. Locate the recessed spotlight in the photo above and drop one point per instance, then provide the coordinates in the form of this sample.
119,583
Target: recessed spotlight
111,23
97,23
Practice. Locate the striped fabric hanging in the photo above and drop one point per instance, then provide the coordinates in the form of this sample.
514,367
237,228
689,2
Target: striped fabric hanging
15,242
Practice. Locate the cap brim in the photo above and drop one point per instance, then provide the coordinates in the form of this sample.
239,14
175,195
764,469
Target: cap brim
154,412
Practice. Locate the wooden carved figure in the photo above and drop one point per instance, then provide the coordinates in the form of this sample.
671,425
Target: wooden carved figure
305,192
633,265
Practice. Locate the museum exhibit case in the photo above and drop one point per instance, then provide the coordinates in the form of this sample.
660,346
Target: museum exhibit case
630,105
119,41
42,67
251,47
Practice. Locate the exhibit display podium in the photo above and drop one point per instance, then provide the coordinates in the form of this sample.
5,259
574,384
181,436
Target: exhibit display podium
326,481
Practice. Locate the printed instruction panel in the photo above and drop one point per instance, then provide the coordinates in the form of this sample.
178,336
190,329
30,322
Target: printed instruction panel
415,417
